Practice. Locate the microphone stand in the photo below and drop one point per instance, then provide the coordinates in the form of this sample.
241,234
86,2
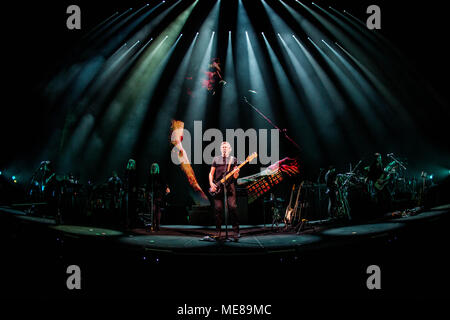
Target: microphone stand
225,208
341,196
351,172
283,131
398,161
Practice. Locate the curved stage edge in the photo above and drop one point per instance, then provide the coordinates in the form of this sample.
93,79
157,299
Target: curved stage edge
326,260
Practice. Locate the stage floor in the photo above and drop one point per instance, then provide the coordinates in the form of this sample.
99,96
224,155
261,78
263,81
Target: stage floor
255,239
326,260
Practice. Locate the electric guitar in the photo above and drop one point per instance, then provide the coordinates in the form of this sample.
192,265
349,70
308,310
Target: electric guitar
219,184
385,177
291,213
289,208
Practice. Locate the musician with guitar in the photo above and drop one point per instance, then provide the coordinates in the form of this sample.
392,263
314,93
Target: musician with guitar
157,190
378,177
222,165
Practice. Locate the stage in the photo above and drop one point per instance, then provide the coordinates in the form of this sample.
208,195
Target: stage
325,259
131,115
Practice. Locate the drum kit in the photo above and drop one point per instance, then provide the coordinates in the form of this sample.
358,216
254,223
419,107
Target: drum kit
356,193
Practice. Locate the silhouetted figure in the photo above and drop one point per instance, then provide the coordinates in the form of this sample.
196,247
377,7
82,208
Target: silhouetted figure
130,196
157,189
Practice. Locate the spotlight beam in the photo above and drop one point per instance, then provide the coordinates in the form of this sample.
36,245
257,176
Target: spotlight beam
128,30
370,95
196,108
228,105
108,25
102,24
314,99
169,105
353,93
299,118
123,120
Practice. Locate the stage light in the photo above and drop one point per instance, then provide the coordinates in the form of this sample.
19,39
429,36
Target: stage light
15,181
430,177
129,107
169,106
13,177
227,103
1,172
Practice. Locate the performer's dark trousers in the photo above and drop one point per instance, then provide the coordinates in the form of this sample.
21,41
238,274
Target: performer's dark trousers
332,202
232,209
384,199
130,210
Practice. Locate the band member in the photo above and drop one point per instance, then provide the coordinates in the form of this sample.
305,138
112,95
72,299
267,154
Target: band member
375,172
222,165
49,190
115,192
40,180
375,169
157,189
330,180
70,187
130,186
114,188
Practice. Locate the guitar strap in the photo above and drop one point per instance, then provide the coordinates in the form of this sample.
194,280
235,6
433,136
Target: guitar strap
229,164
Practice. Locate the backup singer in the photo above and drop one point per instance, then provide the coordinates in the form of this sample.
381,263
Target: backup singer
222,165
157,189
130,186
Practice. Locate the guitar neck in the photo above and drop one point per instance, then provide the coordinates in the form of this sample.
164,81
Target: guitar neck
232,171
298,196
292,194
